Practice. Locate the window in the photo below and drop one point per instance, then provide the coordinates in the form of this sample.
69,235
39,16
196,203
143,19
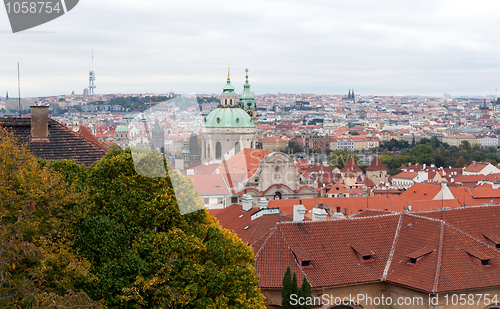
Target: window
417,256
219,200
492,239
363,253
218,151
206,201
480,258
234,200
277,195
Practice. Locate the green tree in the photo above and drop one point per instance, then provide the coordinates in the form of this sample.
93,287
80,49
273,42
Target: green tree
145,254
294,146
38,268
423,153
460,162
305,292
466,146
295,286
286,290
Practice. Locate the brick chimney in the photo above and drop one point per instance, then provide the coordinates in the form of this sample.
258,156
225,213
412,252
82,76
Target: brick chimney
40,123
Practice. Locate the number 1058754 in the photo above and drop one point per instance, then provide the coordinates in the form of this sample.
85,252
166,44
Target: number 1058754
26,7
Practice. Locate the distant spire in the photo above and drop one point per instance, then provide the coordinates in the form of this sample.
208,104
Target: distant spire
7,96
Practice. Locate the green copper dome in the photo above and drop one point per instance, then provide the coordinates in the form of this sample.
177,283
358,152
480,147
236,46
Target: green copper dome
228,117
121,128
228,89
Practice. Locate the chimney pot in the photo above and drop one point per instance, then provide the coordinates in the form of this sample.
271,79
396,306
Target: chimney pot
39,122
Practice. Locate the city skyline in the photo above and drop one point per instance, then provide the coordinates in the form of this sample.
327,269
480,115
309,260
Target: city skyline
383,48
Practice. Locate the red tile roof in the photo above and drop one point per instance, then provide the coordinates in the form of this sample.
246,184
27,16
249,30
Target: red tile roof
351,166
445,247
421,191
62,142
376,165
475,167
406,175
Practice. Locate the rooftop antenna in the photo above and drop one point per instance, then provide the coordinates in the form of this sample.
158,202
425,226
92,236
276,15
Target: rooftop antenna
19,88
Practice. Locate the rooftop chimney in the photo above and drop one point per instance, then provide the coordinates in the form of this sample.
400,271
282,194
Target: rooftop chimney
298,213
39,122
319,214
246,202
263,203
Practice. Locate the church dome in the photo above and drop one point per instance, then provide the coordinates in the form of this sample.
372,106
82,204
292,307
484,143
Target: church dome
121,128
227,117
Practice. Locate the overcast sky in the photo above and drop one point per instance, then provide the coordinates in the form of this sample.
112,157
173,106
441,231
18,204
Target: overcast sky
326,47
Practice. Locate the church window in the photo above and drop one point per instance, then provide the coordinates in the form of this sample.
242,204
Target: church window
236,147
277,195
218,151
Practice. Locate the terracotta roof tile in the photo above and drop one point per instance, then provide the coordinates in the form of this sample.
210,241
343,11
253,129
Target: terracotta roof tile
447,252
351,166
62,142
376,165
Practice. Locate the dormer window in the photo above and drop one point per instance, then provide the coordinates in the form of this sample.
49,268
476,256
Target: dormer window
480,258
363,253
417,256
303,258
492,239
305,263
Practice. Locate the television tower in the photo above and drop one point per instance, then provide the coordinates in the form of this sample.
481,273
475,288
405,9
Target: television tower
92,77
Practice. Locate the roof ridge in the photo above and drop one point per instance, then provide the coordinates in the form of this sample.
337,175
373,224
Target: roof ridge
268,232
344,218
256,226
273,229
387,196
455,208
440,254
393,248
471,237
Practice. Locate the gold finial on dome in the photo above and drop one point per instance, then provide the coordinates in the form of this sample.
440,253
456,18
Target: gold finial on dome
228,69
246,73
